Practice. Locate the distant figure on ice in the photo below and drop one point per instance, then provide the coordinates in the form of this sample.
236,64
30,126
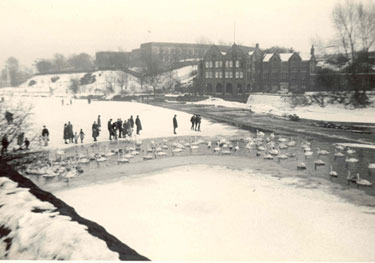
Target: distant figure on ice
66,133
62,102
5,144
138,124
114,130
198,123
131,121
89,101
99,122
27,143
175,125
71,102
110,129
20,140
125,128
45,135
82,135
9,117
119,127
95,131
192,120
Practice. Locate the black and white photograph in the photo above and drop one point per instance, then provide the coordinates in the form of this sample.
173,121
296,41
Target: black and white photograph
183,131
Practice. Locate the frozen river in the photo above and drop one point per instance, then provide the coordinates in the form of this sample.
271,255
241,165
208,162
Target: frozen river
156,121
205,212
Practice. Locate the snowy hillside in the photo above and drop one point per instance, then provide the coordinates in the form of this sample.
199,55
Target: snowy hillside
35,225
95,83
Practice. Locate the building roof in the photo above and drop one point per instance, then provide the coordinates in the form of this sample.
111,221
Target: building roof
285,56
267,57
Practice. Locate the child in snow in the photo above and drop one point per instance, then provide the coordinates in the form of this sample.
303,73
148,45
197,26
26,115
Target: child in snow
81,135
75,137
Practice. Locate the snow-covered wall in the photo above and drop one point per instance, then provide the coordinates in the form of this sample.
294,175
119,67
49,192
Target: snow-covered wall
35,225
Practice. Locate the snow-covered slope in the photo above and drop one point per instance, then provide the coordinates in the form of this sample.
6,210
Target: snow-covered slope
35,225
58,84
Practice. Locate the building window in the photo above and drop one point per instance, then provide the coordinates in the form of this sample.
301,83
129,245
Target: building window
237,63
229,64
237,74
230,75
241,75
218,64
220,75
209,75
209,64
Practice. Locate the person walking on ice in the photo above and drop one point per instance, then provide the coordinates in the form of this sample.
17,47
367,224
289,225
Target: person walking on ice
81,135
138,124
45,135
175,125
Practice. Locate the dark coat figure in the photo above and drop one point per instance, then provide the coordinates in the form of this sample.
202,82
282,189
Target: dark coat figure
125,128
175,125
110,129
66,133
45,135
70,132
20,138
114,130
131,121
95,131
119,127
198,123
27,143
4,143
82,135
192,120
138,124
99,123
45,132
9,117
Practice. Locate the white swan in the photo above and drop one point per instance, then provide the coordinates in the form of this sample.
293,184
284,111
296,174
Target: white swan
322,152
332,173
122,159
362,182
318,163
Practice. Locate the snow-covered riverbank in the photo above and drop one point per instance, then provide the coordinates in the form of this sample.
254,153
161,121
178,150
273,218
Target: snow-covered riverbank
281,105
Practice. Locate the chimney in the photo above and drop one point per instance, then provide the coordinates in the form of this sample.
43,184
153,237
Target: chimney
256,45
312,50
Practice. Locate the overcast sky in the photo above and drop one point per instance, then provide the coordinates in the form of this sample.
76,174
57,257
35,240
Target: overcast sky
32,29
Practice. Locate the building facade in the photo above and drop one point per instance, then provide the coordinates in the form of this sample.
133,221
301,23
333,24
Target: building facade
234,72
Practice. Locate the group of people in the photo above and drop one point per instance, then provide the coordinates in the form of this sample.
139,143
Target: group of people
70,136
21,140
196,122
121,129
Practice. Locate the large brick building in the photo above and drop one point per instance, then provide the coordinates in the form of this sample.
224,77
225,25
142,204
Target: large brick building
236,71
168,54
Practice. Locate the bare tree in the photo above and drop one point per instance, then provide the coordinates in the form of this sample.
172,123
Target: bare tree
355,27
20,122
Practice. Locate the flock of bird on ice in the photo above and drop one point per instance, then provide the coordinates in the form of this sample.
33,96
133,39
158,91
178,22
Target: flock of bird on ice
269,147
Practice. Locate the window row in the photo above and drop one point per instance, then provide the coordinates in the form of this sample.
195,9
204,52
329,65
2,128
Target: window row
219,64
228,75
